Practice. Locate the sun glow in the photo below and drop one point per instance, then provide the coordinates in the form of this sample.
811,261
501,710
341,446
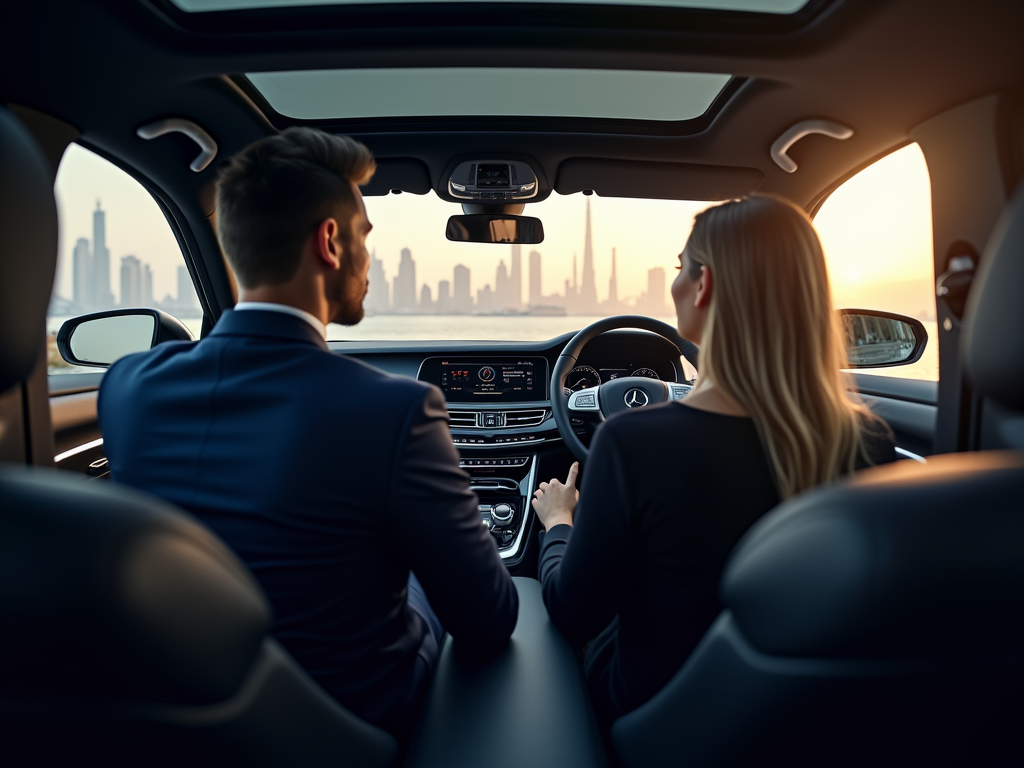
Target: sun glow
877,233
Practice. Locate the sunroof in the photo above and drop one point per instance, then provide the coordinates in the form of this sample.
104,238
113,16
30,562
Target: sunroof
333,94
759,6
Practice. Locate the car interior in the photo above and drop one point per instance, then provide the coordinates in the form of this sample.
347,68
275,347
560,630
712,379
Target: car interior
876,621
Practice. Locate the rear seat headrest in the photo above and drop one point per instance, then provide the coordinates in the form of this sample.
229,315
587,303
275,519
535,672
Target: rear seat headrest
993,345
28,249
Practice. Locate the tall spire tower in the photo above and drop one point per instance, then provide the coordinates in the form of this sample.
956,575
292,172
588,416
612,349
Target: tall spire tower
588,288
613,285
102,297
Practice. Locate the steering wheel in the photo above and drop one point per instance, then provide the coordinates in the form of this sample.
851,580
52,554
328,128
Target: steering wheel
616,395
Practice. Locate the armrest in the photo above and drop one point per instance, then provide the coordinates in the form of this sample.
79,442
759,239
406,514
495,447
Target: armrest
527,707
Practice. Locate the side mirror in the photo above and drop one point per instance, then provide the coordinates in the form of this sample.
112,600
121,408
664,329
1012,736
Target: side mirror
495,228
100,338
878,339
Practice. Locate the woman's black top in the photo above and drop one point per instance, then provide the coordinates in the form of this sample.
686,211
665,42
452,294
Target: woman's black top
667,493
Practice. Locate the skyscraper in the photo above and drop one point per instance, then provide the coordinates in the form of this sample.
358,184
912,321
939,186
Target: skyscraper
502,288
515,277
536,292
656,290
404,296
588,286
102,296
462,299
146,293
426,299
613,286
485,299
444,297
652,302
131,282
84,286
377,296
186,292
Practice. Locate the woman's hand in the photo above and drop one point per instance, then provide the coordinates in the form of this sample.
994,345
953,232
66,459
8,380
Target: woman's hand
555,502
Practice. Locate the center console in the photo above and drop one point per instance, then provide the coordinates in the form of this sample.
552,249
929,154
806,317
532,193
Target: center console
499,414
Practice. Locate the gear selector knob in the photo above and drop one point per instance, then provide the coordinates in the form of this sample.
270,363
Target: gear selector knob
502,513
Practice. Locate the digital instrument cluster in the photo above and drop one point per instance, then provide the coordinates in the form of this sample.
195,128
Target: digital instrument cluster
584,376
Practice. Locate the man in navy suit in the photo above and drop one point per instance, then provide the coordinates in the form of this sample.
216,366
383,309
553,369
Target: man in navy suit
330,479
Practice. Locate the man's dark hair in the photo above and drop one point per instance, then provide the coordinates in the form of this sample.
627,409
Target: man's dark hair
276,191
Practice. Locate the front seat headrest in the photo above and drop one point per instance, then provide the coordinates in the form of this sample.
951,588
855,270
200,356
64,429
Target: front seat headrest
28,249
897,561
993,345
107,594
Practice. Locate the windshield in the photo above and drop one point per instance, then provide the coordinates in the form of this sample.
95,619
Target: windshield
600,257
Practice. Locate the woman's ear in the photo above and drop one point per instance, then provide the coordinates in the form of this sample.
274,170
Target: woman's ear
328,250
705,288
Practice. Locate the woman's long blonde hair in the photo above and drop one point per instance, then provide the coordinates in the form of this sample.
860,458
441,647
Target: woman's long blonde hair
772,341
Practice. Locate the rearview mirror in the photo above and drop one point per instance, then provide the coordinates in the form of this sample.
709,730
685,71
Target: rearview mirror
100,338
495,228
876,339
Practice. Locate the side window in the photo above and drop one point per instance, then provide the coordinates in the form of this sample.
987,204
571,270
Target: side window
115,250
876,230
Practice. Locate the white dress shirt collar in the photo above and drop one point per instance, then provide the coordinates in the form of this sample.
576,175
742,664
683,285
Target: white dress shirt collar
271,307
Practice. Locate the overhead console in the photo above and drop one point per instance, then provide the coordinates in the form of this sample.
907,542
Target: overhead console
493,181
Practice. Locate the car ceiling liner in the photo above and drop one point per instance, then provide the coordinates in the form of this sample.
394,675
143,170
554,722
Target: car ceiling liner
665,181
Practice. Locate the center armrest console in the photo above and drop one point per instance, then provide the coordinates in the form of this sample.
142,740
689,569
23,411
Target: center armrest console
527,707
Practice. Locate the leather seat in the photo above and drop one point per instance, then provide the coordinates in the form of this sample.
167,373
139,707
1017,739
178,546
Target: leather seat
879,621
129,634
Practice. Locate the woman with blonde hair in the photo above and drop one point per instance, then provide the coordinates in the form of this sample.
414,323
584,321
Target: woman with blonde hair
669,490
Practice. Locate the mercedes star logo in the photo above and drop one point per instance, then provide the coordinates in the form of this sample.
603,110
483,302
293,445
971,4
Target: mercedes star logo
636,398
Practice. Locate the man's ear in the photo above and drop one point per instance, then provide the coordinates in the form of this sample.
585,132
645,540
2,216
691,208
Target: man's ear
705,287
326,245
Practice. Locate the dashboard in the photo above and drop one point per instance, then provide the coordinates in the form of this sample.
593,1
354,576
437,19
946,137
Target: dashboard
499,406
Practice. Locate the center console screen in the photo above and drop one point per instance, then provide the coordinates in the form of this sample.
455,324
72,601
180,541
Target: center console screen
487,381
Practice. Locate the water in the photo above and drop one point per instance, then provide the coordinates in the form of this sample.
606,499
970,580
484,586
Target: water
463,327
499,328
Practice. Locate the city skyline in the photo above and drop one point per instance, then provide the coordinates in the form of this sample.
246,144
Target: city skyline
91,279
504,294
887,265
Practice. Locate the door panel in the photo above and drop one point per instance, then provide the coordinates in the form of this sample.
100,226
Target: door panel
76,433
908,405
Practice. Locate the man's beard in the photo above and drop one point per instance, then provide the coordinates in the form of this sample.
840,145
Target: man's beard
351,310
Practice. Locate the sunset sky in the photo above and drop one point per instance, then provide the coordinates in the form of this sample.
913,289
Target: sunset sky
876,230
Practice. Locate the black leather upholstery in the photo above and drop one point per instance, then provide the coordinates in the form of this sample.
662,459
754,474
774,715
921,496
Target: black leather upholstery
874,622
28,249
131,635
529,708
993,345
109,593
889,564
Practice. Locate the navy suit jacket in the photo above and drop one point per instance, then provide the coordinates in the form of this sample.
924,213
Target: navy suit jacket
331,480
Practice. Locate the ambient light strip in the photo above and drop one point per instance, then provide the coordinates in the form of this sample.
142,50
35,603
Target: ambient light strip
908,455
77,450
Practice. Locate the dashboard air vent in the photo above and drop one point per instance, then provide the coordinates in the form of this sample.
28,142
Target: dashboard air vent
462,419
525,418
